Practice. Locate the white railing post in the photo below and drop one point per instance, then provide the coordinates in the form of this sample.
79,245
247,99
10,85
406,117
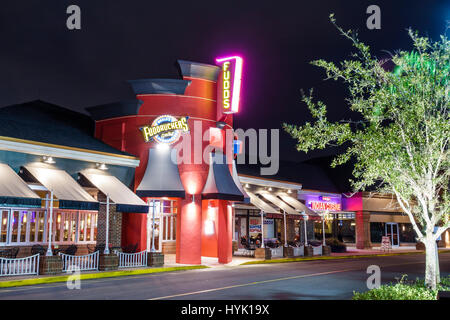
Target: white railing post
107,226
285,232
262,229
50,227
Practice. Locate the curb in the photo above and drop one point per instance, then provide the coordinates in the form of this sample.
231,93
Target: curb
285,260
87,276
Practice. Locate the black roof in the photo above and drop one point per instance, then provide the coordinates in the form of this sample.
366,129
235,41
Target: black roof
311,176
45,122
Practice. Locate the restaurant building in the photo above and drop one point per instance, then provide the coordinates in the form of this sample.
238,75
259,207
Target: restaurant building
157,173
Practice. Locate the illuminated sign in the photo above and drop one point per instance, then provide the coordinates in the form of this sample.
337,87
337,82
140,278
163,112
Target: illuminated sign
325,198
317,205
165,129
229,83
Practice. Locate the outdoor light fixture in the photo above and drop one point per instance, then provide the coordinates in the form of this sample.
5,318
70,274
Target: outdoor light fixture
246,185
102,166
270,189
289,191
48,159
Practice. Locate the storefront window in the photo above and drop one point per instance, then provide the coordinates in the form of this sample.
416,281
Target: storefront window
407,233
28,227
4,226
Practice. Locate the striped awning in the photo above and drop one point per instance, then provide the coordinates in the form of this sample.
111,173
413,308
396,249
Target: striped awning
299,206
281,204
14,191
124,199
68,192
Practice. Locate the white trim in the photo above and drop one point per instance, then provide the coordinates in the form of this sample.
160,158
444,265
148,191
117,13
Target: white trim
66,153
269,183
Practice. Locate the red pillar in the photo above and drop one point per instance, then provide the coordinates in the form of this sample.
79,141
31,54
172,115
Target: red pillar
362,230
189,230
225,230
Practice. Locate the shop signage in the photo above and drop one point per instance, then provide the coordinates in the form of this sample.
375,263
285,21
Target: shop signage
317,205
229,83
165,129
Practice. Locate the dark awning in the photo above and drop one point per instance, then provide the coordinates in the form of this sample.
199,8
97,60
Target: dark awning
238,183
124,199
161,178
220,183
69,193
14,191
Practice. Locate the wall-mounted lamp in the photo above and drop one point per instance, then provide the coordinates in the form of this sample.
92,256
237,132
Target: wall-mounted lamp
289,191
48,159
270,189
102,166
246,185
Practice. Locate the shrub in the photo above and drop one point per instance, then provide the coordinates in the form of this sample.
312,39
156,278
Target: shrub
336,245
403,290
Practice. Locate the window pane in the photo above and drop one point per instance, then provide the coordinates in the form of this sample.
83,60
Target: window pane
32,217
81,237
94,225
88,227
4,226
58,219
66,226
41,226
14,226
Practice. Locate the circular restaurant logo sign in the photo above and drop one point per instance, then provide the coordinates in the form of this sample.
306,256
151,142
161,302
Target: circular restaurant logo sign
165,129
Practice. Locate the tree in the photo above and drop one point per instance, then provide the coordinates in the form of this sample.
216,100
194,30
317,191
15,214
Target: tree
400,145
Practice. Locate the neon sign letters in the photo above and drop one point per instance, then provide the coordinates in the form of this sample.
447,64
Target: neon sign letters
317,205
229,83
165,129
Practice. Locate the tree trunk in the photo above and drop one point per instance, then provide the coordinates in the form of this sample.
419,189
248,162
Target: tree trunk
431,262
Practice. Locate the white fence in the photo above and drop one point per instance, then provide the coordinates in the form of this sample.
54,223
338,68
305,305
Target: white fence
299,251
277,252
82,263
20,266
130,260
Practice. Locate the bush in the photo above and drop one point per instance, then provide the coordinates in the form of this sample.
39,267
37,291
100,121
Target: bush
403,290
336,245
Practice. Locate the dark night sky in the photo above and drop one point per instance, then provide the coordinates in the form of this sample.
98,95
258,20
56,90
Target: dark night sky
121,40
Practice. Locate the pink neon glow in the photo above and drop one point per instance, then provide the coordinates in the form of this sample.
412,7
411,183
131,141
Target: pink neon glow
236,81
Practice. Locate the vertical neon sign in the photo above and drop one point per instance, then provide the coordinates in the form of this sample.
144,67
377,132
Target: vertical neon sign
229,83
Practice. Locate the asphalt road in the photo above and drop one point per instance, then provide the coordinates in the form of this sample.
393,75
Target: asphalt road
326,279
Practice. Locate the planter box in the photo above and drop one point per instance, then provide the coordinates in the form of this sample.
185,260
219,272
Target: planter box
288,252
277,252
263,253
50,265
420,246
338,248
308,251
298,251
155,259
317,251
326,251
108,262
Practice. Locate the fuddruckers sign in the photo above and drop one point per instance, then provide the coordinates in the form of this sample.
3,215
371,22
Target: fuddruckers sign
165,129
229,83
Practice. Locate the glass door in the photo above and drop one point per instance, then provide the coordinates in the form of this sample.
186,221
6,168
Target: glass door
391,230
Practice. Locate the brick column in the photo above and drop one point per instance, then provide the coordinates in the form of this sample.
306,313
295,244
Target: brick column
363,230
290,229
115,223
